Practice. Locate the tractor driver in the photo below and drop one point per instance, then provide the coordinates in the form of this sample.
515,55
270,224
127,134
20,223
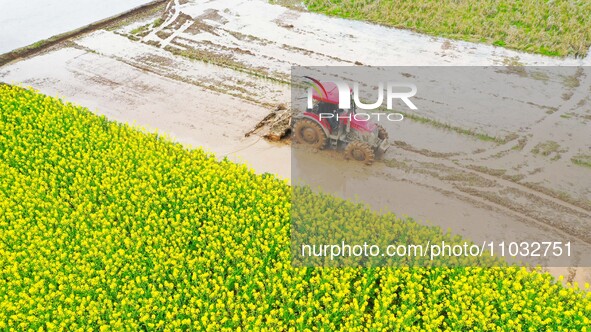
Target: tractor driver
329,108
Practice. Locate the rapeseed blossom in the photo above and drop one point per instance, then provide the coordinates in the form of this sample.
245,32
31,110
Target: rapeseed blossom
104,227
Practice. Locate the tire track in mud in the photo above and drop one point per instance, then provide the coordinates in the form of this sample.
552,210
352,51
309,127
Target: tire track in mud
462,201
469,196
539,132
485,195
497,193
173,12
160,62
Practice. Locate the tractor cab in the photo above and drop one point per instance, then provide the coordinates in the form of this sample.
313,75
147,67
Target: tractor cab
327,107
327,104
325,124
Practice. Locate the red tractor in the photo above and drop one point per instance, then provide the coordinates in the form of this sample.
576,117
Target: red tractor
325,125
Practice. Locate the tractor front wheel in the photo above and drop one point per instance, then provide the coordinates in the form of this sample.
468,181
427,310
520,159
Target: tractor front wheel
360,151
310,133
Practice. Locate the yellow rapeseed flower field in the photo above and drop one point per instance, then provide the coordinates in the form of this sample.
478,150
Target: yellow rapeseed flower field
106,228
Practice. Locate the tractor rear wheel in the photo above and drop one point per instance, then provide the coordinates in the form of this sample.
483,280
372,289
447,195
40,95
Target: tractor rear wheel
382,133
360,151
310,133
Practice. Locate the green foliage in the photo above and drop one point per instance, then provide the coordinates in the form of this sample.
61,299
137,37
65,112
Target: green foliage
582,160
157,22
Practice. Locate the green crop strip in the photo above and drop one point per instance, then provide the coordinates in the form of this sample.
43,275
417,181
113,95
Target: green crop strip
582,160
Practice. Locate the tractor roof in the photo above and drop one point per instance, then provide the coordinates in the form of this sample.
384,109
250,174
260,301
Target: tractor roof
328,93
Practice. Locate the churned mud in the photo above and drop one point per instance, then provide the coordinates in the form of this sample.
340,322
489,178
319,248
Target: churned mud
209,74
